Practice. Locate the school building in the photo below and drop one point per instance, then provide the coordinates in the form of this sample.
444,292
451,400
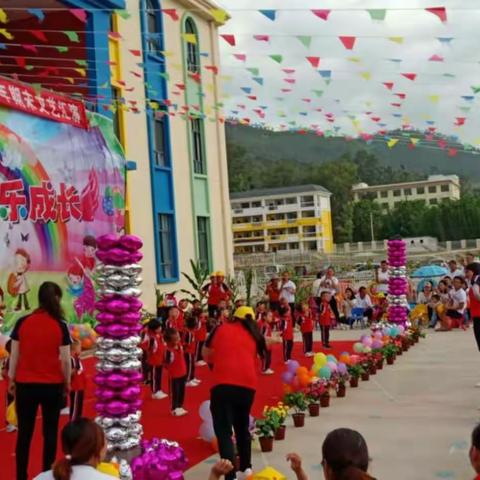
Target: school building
153,68
296,218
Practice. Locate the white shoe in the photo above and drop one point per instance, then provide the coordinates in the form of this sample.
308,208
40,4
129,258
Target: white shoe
10,428
201,363
245,475
65,411
269,371
191,383
179,412
197,381
159,395
309,354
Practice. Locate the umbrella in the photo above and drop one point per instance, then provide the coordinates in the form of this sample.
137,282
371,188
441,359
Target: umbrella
429,271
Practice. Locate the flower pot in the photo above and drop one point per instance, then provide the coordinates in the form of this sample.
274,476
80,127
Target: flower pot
380,364
266,443
373,370
341,391
314,409
298,419
399,351
365,377
280,433
390,360
416,339
325,401
354,382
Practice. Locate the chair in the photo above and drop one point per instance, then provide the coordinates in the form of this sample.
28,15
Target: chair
357,315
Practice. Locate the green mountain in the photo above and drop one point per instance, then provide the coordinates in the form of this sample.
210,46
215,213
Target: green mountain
271,148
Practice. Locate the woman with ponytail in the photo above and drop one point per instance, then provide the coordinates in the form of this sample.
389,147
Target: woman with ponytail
232,349
84,447
345,457
39,374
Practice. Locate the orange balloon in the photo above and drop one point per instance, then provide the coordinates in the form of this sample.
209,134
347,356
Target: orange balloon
87,343
287,389
302,371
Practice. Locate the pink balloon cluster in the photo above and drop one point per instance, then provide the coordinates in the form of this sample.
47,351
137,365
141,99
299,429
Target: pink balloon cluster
118,392
397,283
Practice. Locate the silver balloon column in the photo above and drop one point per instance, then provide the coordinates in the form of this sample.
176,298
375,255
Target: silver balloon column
118,392
397,282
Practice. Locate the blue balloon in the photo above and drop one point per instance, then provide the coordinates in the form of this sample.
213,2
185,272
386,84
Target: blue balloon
206,431
325,373
331,358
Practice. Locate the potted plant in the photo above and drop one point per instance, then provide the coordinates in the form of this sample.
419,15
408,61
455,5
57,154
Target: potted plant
314,393
298,402
325,396
389,353
342,379
365,375
265,430
398,346
378,358
355,372
279,413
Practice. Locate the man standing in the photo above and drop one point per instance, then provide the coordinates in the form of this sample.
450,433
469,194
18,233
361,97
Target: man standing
272,290
382,277
454,270
329,282
287,291
364,301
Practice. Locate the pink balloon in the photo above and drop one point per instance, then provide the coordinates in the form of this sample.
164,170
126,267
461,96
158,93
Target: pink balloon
135,304
115,305
106,317
116,408
107,242
117,380
136,257
130,317
131,242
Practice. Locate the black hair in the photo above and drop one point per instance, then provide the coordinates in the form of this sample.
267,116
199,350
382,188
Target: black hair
348,289
154,324
261,302
49,296
89,241
476,437
190,321
362,288
169,334
436,296
345,451
283,310
473,267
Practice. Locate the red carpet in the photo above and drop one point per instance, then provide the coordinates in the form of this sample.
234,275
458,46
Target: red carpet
157,419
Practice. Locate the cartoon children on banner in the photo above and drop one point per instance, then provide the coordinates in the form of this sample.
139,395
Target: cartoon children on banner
18,285
80,280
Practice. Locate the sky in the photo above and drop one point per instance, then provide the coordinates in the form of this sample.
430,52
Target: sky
356,92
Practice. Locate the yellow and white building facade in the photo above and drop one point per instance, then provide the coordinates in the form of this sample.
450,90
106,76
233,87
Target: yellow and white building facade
296,218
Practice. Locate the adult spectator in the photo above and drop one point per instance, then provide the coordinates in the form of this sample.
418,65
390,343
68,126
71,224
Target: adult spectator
456,305
348,303
425,298
382,277
40,372
288,290
455,270
272,291
84,447
216,291
363,300
232,350
472,272
470,258
474,453
329,282
345,457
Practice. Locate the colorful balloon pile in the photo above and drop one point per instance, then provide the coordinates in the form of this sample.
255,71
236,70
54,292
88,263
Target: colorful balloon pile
118,379
397,283
159,460
85,334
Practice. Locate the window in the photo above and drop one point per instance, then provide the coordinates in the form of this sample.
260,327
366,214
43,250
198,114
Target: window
407,191
308,214
199,166
310,245
291,200
152,35
165,253
420,190
433,201
385,206
432,189
245,205
159,148
256,204
384,194
291,215
445,188
397,193
203,232
193,57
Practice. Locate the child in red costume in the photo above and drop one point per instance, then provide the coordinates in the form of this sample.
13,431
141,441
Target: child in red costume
78,384
200,335
305,319
155,351
177,370
190,348
286,327
266,328
327,318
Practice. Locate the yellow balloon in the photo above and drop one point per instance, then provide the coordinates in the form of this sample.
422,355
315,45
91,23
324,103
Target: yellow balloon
108,469
320,360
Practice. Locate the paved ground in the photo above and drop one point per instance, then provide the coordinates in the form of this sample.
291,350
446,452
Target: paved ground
416,416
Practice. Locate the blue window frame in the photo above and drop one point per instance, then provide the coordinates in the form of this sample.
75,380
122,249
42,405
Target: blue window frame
161,173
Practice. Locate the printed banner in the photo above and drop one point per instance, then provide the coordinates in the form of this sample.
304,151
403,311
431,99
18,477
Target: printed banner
60,187
42,103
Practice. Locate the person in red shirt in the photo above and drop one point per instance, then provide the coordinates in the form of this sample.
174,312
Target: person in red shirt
155,350
79,382
260,309
474,453
40,374
9,398
273,290
233,349
175,319
200,335
177,370
223,316
215,291
286,327
326,317
266,328
305,319
190,348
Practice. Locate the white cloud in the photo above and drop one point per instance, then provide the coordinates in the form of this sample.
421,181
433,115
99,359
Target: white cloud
356,95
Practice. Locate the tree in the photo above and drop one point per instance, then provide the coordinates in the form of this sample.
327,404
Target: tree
364,212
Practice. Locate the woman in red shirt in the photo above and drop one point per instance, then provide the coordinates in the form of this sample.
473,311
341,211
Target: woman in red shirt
286,327
232,349
472,273
40,374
